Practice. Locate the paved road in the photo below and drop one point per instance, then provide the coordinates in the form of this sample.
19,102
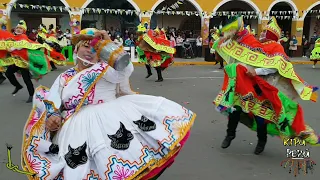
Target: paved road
202,158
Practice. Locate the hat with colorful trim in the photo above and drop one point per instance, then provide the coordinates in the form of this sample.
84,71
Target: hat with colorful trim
85,34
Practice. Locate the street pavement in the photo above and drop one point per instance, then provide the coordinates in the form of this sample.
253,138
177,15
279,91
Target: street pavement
202,158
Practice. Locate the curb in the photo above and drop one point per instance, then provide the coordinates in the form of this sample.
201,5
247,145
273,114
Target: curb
190,63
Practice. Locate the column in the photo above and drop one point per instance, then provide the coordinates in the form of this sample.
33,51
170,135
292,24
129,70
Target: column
297,30
261,24
4,20
75,21
205,21
205,32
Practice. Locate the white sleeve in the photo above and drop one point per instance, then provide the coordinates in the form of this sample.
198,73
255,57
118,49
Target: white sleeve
265,71
55,92
114,76
125,87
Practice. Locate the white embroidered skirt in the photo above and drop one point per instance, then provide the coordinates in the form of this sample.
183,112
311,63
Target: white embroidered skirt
134,136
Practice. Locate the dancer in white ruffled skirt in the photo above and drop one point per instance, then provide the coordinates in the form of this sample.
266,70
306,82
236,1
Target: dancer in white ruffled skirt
90,125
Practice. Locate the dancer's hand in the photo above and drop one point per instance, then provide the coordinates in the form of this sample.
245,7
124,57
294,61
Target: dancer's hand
251,72
53,123
103,34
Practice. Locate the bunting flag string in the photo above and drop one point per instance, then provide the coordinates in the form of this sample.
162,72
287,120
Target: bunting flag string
166,10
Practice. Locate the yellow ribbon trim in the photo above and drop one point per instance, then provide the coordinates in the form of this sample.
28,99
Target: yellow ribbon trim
18,62
256,59
52,39
43,35
248,106
6,45
60,63
2,69
158,47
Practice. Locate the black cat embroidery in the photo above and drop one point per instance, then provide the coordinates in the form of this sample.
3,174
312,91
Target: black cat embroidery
76,157
53,149
145,124
121,140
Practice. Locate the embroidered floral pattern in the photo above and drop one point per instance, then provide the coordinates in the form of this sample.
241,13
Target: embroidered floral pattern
36,166
122,173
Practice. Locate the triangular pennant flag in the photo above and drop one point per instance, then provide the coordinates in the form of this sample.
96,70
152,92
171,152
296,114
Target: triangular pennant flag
94,10
21,6
180,2
15,5
60,7
99,10
48,8
54,8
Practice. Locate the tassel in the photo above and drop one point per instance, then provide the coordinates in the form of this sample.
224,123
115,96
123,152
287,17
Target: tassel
314,97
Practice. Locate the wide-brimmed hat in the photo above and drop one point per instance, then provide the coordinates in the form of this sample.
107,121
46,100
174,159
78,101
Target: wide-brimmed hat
85,34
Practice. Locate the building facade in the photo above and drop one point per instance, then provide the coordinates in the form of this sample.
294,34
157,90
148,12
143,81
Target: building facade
293,15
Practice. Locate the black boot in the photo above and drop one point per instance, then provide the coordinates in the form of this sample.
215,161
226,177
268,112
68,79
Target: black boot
2,78
260,147
233,122
227,141
148,76
53,66
29,99
148,71
159,72
261,134
17,89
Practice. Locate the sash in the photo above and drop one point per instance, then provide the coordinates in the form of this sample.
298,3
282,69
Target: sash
79,90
